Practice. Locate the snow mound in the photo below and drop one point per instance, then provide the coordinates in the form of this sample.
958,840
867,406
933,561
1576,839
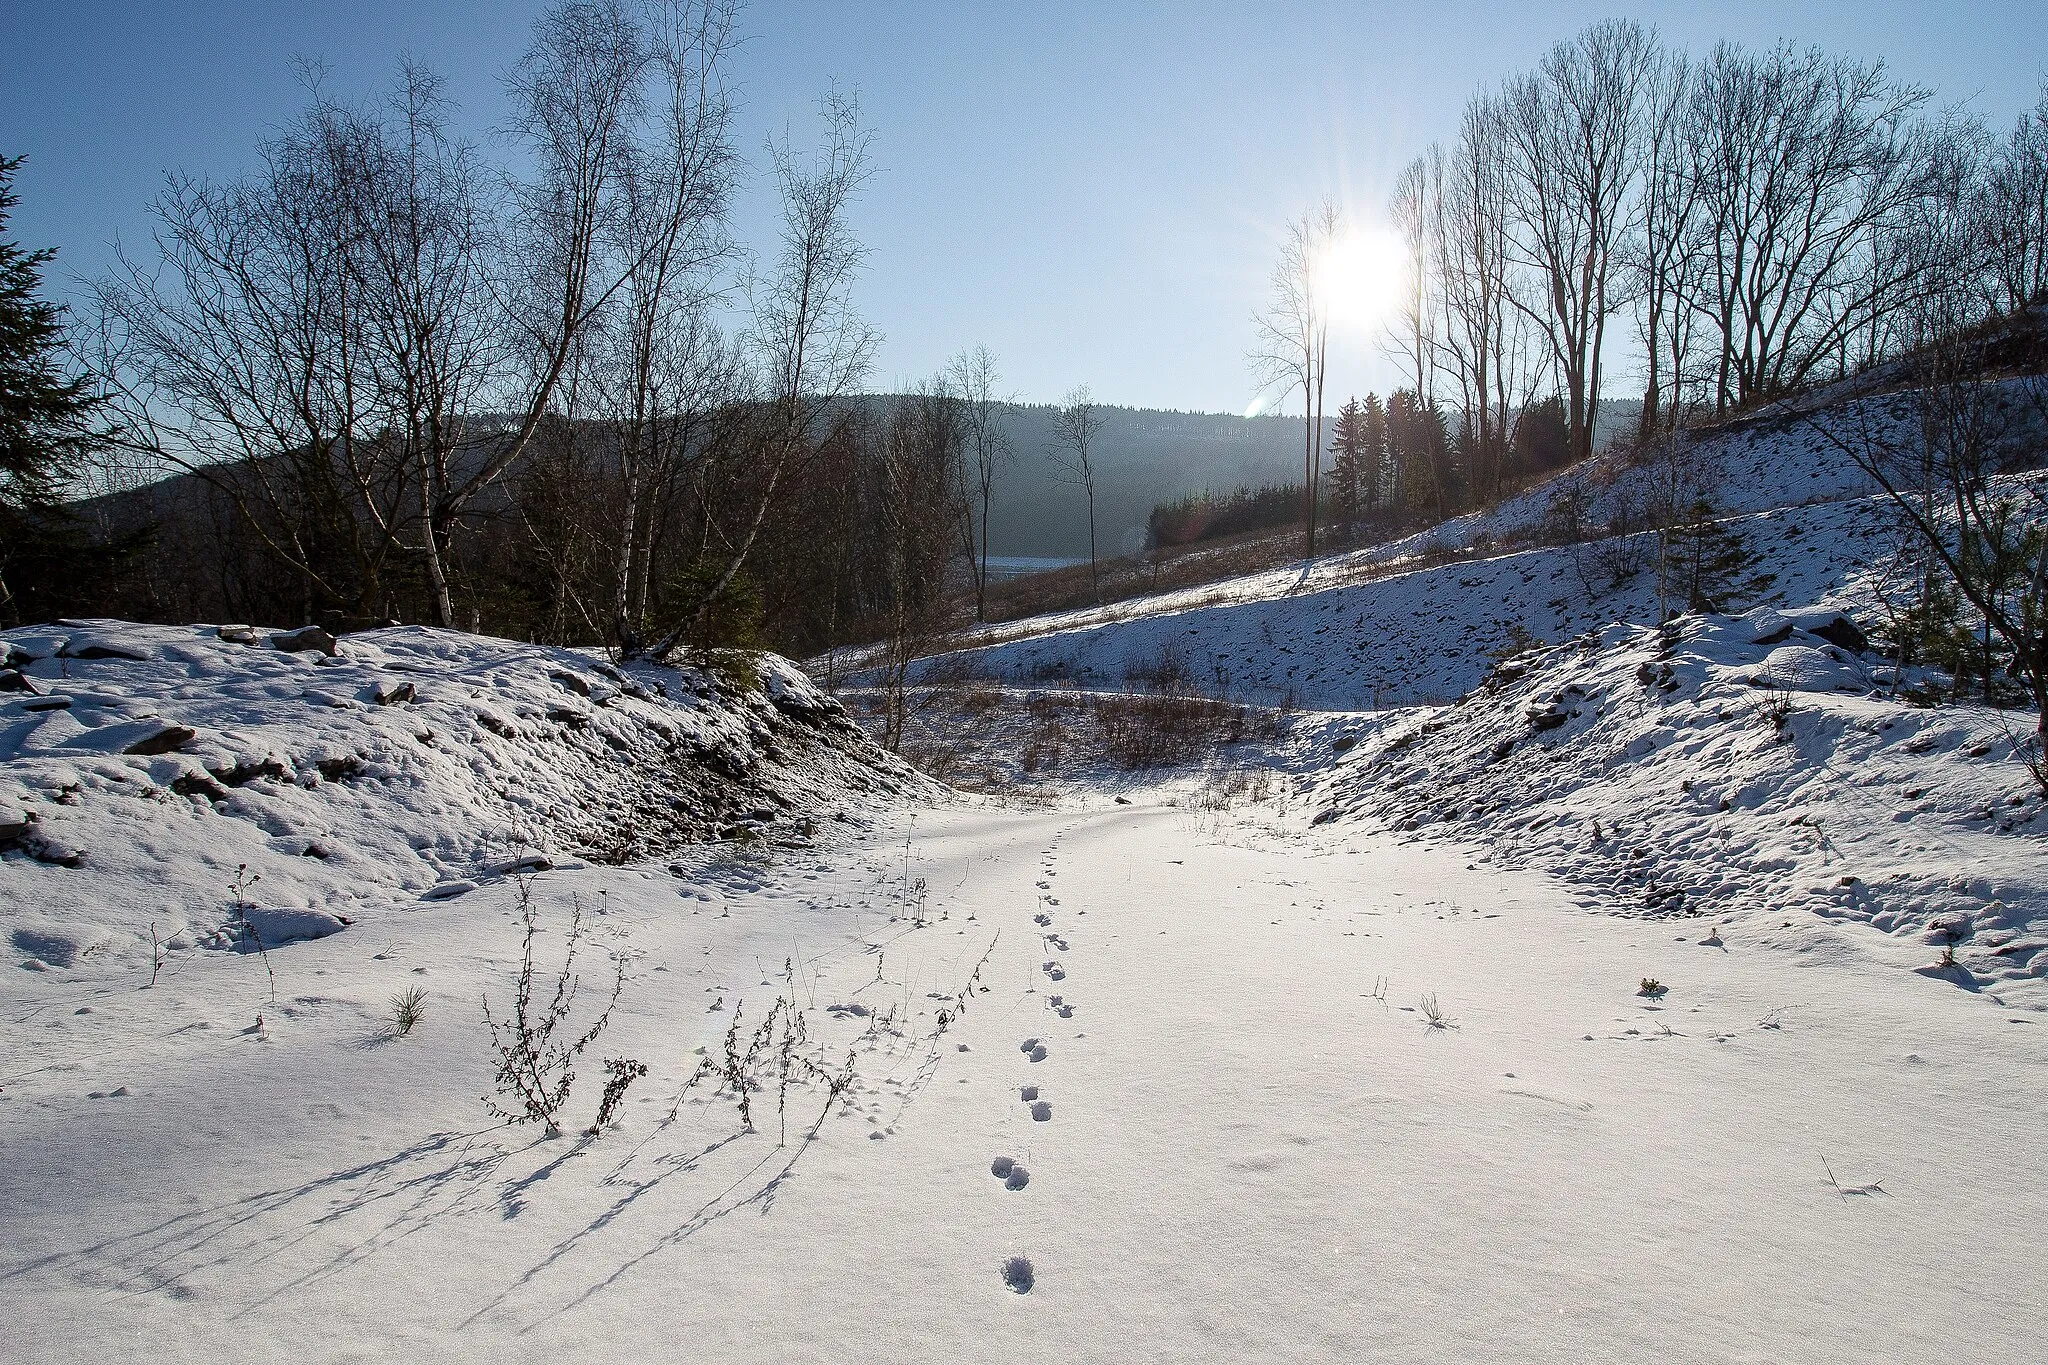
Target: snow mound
1739,767
269,787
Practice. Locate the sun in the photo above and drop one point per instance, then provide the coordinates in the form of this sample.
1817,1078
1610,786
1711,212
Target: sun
1361,277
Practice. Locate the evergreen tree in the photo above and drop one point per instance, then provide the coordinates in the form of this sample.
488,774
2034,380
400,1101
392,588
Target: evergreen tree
48,427
1718,570
1374,476
1347,481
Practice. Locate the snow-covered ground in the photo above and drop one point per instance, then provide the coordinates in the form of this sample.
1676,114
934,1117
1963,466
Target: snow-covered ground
217,788
1195,1041
1673,993
1740,771
1397,625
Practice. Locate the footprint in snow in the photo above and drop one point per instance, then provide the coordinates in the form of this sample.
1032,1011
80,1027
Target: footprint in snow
1041,1112
1042,921
1017,1275
1055,971
1027,1093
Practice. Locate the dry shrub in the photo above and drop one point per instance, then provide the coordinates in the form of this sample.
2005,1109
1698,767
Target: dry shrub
1047,742
978,699
1164,730
1229,788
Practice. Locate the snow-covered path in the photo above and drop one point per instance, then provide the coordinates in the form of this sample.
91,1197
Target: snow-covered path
1234,1151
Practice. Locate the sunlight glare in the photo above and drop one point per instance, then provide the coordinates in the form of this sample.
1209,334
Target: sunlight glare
1362,277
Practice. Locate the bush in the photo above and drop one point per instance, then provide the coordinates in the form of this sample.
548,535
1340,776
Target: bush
1164,730
536,1067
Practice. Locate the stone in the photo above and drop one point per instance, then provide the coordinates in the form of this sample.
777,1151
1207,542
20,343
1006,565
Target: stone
305,638
168,740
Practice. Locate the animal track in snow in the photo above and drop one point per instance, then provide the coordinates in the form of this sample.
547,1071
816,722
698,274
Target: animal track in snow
1042,921
1027,1093
1027,1045
1017,1179
1055,971
1038,1052
1041,1112
1001,1167
1017,1275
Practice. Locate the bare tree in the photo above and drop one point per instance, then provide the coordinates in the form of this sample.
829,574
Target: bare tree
658,365
575,95
342,328
1666,249
1573,128
1947,478
921,505
1412,208
975,379
2014,216
1479,335
244,354
1293,334
1074,427
1802,158
808,345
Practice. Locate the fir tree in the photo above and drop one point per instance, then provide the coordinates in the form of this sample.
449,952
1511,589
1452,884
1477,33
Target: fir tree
1374,479
48,427
1720,572
1347,458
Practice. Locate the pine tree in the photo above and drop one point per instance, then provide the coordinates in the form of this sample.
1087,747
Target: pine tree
48,427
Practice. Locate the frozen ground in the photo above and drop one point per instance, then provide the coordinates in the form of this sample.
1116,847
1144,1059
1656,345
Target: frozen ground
1201,1035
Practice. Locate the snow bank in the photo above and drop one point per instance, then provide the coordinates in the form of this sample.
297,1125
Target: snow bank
1731,765
236,787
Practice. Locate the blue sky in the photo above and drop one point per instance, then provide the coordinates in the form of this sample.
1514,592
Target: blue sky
1094,190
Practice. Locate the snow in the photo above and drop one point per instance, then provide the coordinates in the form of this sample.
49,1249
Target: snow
1420,636
1670,992
219,790
1741,769
1232,1148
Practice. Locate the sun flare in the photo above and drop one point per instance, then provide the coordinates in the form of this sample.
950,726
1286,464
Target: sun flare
1362,274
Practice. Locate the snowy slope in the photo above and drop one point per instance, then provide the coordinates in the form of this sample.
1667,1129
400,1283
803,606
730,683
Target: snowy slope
1737,768
1395,625
1427,634
216,788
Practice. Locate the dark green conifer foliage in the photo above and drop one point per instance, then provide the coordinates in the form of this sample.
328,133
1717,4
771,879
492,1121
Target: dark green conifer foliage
49,426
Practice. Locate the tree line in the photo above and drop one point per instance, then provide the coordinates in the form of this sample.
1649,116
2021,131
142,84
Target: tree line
387,375
1754,222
